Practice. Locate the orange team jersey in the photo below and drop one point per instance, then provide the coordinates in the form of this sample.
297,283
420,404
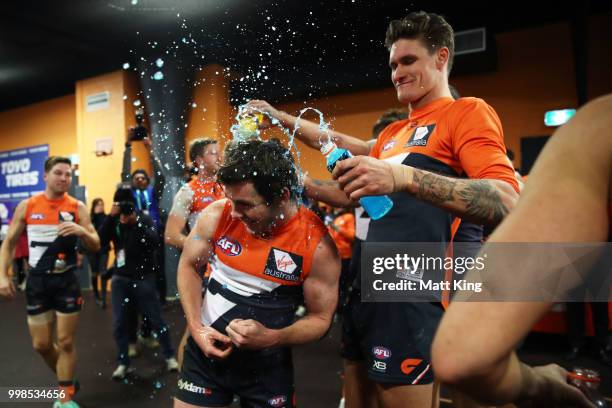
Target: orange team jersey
345,236
257,278
42,219
194,197
453,138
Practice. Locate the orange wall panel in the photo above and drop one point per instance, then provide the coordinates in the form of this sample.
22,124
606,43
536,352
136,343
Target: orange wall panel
100,174
51,122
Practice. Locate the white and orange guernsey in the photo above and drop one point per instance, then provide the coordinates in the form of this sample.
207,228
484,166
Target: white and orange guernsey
259,278
43,216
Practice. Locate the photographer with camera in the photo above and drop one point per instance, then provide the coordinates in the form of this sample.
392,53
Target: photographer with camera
135,240
147,193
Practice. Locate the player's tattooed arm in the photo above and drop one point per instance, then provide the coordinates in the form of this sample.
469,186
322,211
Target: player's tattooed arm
483,201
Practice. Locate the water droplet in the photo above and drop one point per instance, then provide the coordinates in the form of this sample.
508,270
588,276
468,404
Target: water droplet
126,65
158,76
159,62
134,2
137,102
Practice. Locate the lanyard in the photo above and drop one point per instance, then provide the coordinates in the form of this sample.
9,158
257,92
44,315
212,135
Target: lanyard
146,199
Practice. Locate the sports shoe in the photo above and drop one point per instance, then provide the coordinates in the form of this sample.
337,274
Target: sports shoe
121,372
67,404
133,350
149,342
172,364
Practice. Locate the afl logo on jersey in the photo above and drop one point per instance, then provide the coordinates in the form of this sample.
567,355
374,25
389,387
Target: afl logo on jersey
207,199
229,247
36,216
278,401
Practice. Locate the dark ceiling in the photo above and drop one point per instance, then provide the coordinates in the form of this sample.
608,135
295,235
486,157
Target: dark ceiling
300,48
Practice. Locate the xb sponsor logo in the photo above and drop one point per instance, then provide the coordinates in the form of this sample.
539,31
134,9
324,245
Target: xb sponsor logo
229,247
278,401
381,353
379,366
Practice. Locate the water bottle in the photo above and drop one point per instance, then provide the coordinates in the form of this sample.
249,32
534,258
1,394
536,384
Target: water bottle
247,127
588,382
376,206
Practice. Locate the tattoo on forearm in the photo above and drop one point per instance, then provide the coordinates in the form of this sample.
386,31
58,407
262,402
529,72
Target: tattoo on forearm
433,188
480,198
482,201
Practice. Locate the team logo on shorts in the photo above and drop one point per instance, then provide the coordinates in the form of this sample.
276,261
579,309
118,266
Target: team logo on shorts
420,136
283,265
381,353
228,246
278,401
66,216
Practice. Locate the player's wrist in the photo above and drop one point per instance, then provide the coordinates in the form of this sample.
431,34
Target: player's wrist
402,177
274,337
532,384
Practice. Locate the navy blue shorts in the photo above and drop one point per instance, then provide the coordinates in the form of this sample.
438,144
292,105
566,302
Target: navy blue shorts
259,378
60,292
393,340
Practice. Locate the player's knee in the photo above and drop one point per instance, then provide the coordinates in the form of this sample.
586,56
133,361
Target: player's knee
42,345
65,344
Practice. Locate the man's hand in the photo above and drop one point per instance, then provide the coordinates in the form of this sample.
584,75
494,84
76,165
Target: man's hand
551,389
212,343
148,144
7,288
251,335
70,228
264,107
364,176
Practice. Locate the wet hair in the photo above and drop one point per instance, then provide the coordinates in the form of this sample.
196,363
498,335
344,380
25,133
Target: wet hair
198,146
268,165
431,29
388,117
94,203
141,171
53,160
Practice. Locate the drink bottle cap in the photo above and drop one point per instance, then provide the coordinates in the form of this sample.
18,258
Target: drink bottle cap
327,147
584,375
